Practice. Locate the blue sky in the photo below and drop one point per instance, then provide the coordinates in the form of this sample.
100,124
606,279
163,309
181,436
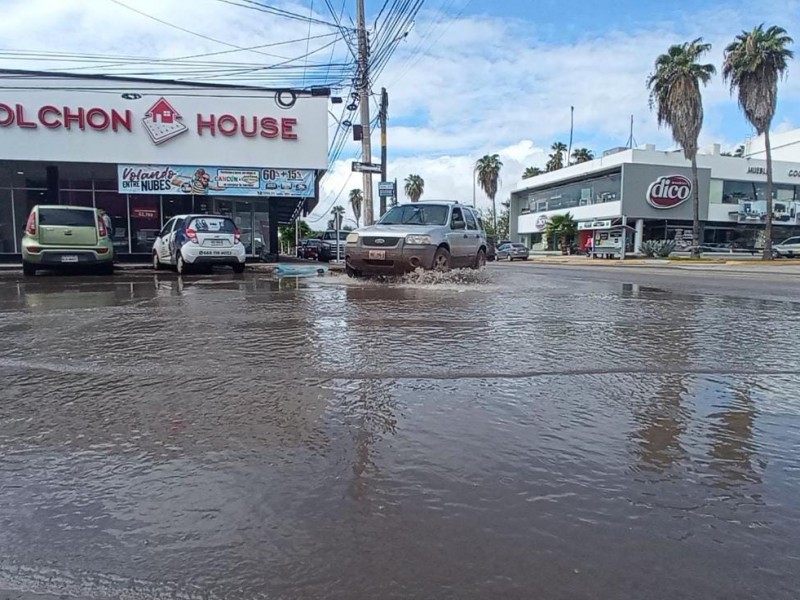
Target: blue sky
471,77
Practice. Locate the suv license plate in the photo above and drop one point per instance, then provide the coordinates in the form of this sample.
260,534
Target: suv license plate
216,242
71,258
377,254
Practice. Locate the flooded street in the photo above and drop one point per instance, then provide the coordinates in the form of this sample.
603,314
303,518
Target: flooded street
535,433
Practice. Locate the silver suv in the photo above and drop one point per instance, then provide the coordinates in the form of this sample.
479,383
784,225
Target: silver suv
428,235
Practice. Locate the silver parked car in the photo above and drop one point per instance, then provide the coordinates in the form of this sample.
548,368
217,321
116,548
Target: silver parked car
512,252
428,235
787,248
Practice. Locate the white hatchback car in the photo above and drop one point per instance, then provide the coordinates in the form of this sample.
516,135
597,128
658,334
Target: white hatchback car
187,241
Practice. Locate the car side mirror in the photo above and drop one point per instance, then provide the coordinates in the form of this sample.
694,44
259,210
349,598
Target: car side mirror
459,224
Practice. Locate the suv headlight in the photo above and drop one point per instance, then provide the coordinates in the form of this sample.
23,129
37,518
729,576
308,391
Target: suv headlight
352,238
418,240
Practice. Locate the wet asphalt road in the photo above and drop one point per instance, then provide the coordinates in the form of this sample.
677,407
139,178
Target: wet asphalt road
539,432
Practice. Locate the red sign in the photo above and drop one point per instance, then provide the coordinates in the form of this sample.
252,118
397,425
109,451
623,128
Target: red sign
161,121
669,191
144,213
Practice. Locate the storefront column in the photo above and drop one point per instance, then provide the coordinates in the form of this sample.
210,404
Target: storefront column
274,248
639,235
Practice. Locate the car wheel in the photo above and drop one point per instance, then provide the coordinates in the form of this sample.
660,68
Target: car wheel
157,266
238,268
480,260
510,258
775,254
441,260
352,273
180,265
28,269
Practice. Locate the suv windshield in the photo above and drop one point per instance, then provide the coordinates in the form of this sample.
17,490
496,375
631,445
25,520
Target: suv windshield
331,235
67,217
212,225
415,214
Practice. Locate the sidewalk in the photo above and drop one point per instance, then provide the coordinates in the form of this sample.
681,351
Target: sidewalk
737,265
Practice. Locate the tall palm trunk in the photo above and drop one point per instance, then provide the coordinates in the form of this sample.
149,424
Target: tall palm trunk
695,209
768,225
494,214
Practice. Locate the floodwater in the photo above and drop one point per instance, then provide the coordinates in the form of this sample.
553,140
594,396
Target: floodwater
526,434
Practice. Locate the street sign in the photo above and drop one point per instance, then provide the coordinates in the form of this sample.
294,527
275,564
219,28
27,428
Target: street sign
360,167
386,188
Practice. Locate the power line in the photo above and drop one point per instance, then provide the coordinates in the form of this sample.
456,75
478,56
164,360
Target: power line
308,42
272,10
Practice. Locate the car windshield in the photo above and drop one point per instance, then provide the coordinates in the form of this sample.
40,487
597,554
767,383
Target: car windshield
331,235
415,214
212,225
792,240
66,217
519,246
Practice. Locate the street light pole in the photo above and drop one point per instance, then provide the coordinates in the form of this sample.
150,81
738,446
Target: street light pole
363,94
384,160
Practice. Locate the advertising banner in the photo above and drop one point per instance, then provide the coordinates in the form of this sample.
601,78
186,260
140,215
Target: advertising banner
218,181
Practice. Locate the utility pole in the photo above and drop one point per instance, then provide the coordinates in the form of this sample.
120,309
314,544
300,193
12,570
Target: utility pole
383,115
363,95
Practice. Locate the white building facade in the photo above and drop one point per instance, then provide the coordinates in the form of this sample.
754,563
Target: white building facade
145,150
650,193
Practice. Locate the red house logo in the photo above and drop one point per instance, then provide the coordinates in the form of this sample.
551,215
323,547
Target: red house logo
163,122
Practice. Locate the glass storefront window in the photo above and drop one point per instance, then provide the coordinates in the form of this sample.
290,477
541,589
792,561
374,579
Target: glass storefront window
598,190
175,205
734,192
145,221
6,223
77,198
116,205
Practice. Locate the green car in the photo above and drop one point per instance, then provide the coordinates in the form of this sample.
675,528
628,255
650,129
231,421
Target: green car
59,237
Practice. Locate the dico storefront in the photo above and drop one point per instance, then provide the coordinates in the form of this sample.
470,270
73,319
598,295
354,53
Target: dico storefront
146,150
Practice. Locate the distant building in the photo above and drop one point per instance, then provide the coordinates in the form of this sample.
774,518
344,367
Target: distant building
650,191
785,146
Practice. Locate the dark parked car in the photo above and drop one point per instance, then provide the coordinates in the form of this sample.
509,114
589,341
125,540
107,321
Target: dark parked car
491,249
308,249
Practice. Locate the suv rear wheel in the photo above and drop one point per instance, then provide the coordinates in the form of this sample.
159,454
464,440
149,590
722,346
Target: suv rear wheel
239,268
441,260
480,259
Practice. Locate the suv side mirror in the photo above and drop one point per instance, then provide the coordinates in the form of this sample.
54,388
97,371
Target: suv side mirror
459,224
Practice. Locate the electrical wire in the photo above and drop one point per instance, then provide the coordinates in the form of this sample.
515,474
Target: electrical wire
272,10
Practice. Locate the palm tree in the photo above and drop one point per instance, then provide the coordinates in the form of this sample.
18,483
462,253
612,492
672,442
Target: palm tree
356,200
675,94
488,170
556,159
753,63
531,172
338,216
563,226
415,187
581,155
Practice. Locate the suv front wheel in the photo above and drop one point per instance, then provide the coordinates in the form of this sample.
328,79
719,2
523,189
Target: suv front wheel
441,260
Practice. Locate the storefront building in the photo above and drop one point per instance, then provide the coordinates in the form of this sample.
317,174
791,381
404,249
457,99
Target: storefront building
146,150
650,193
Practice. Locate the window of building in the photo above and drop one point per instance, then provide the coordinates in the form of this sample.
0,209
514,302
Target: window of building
145,219
597,190
116,206
734,192
6,223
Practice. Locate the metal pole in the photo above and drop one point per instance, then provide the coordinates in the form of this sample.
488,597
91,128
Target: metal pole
473,189
571,127
363,93
384,168
624,237
336,222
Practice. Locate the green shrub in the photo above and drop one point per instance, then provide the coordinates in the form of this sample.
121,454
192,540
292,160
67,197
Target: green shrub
660,248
